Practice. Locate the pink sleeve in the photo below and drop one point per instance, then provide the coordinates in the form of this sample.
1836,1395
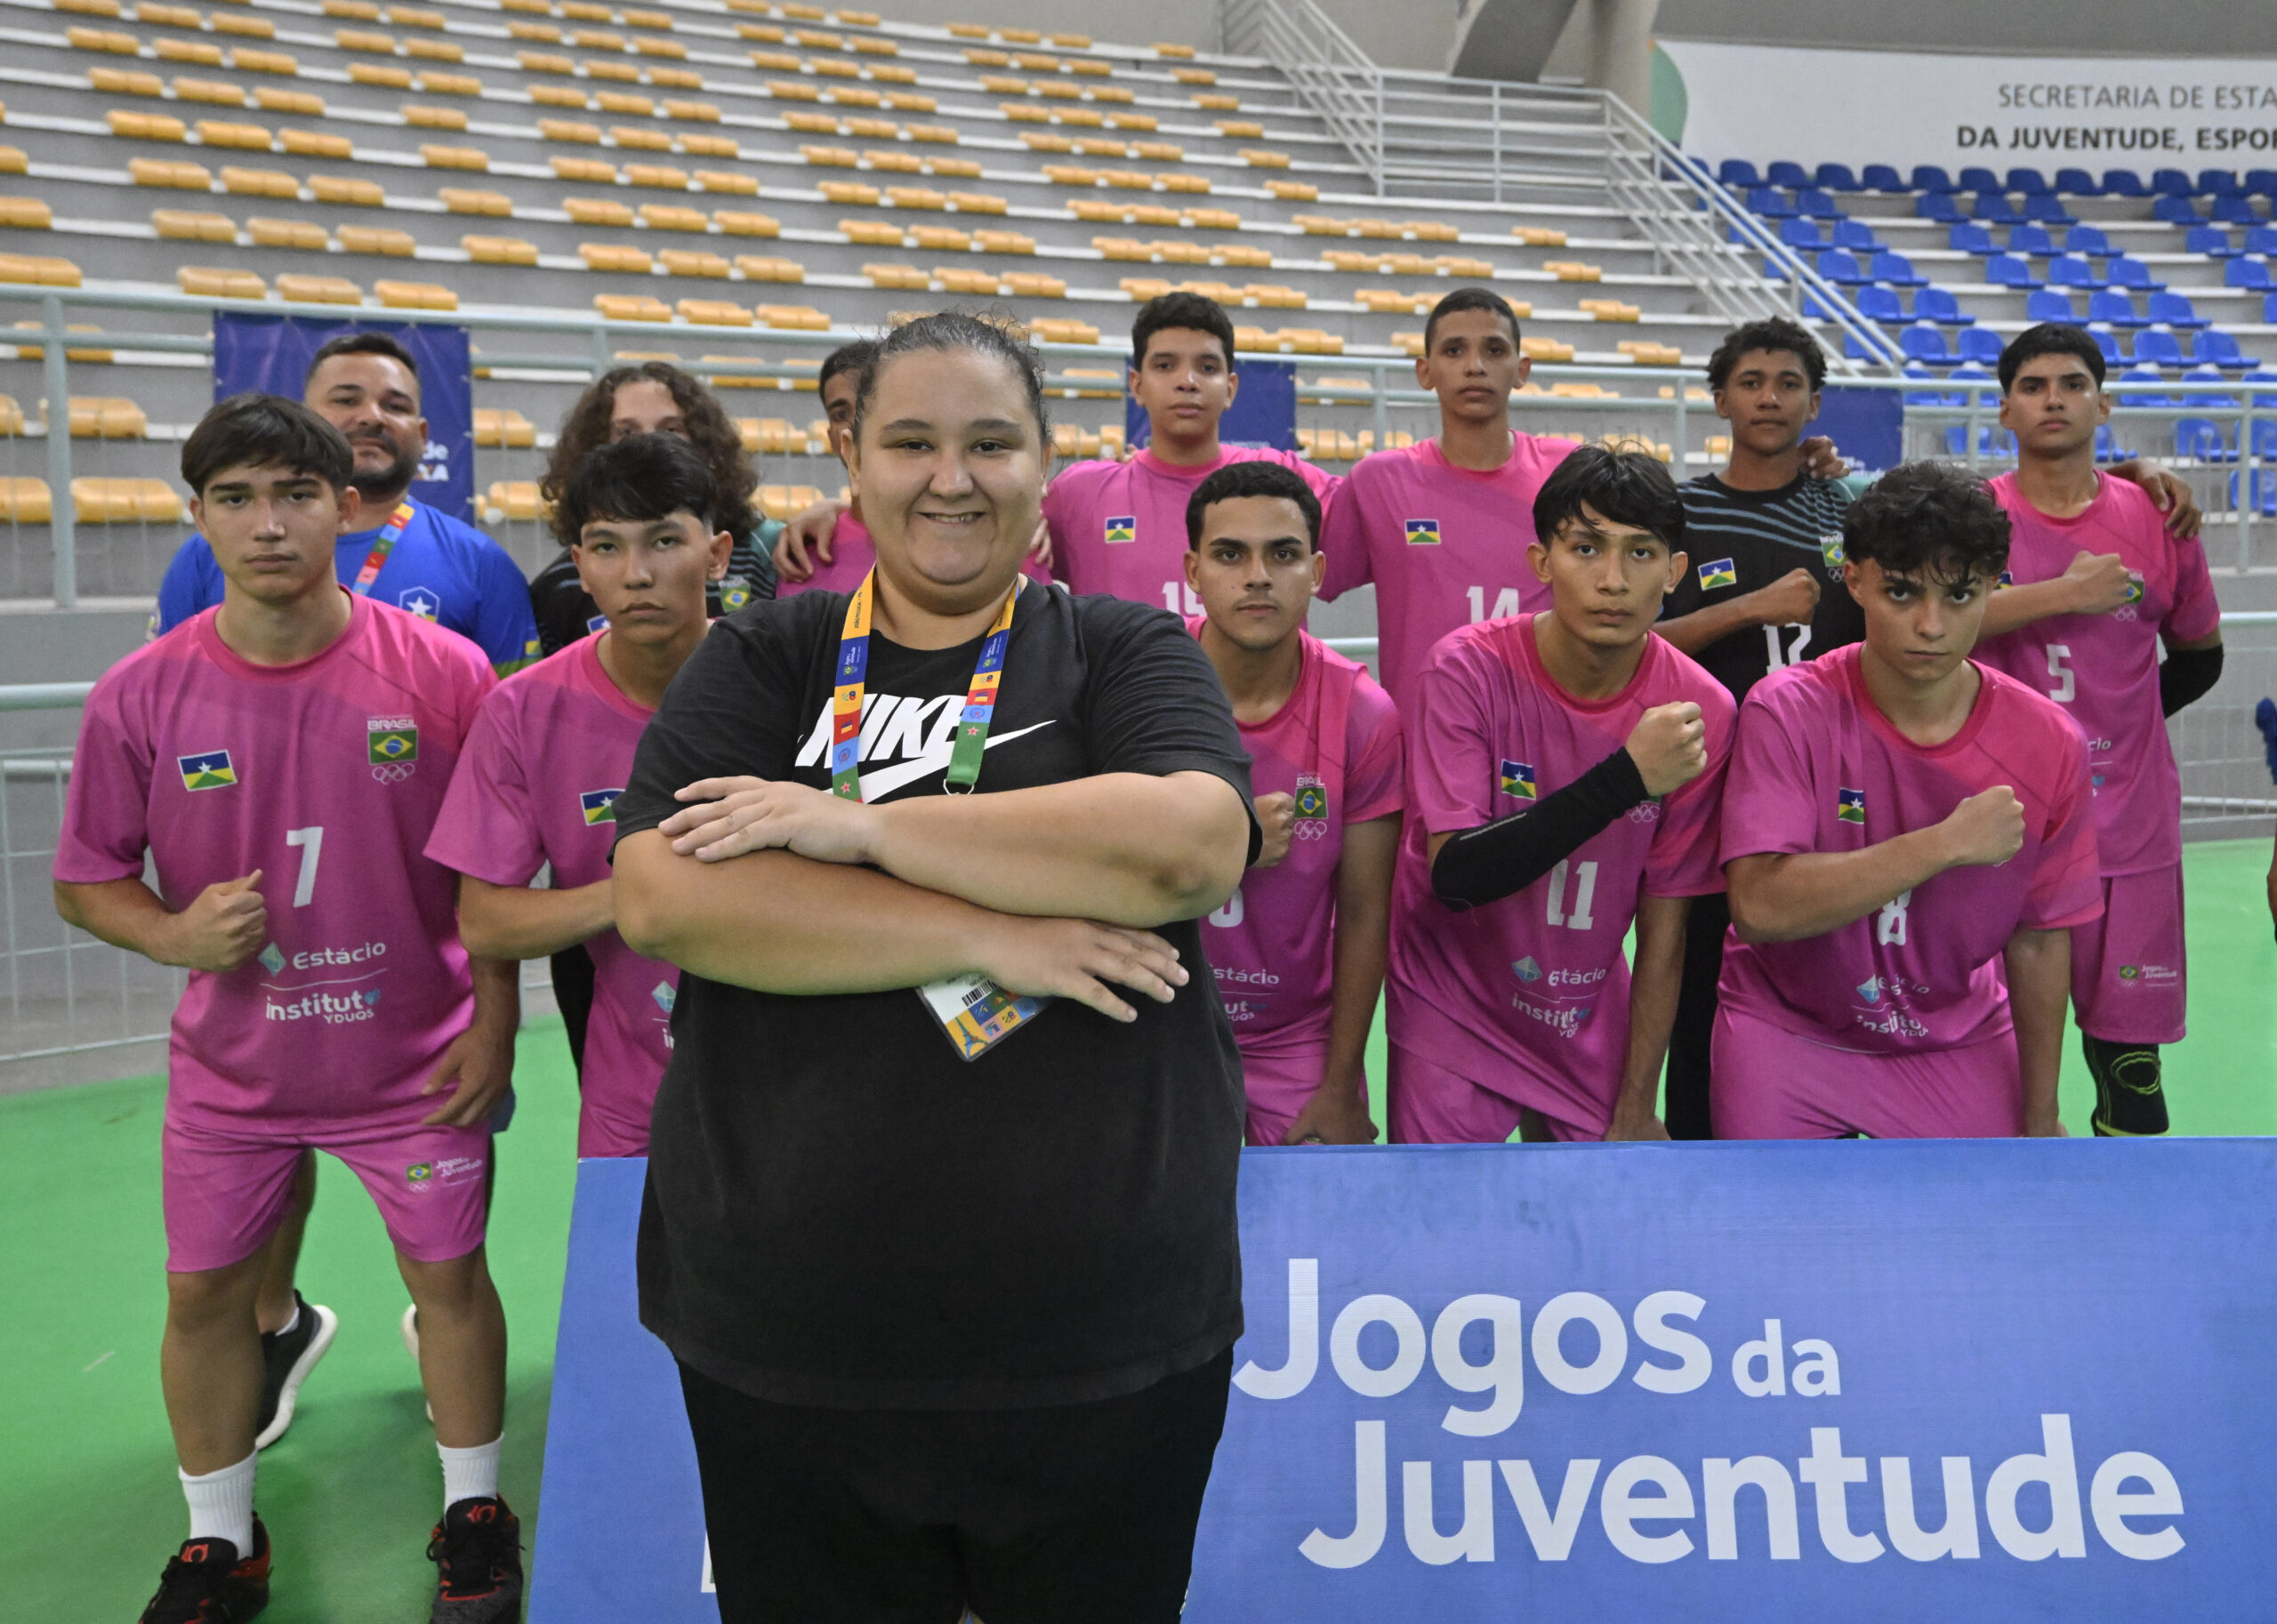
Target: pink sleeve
106,811
487,828
1767,806
2195,612
1063,501
1344,538
1683,858
1374,780
1454,786
2067,884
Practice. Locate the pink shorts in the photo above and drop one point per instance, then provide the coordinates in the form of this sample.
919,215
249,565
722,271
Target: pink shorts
1771,1084
226,1191
2128,979
1430,1105
1277,1087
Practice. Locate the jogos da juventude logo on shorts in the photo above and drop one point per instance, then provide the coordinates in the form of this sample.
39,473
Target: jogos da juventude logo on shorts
1312,808
393,745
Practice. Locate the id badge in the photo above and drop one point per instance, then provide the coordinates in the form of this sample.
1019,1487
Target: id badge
977,1014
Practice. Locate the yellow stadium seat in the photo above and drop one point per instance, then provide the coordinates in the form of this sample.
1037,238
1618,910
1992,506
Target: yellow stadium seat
259,182
849,192
794,317
1033,284
1538,349
125,82
384,74
353,190
188,225
957,279
416,296
1538,236
11,418
741,222
25,501
319,290
435,50
26,214
760,268
245,137
713,313
598,211
632,139
915,198
1295,191
517,499
709,146
383,240
109,41
107,417
614,256
129,126
188,51
1645,352
316,143
1064,330
1182,53
557,95
418,116
662,176
212,282
631,307
693,263
437,156
593,171
1573,271
1611,310
163,172
462,200
267,233
661,217
1003,242
897,276
276,99
1218,103
1260,157
499,250
939,237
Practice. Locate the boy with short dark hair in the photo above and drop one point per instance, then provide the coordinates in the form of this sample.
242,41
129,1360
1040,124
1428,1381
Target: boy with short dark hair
1300,949
279,761
1897,818
1566,771
553,748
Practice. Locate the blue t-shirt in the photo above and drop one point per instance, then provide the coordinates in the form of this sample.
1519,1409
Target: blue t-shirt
446,571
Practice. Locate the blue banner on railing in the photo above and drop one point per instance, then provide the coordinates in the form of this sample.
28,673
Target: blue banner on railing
1264,412
1771,1382
272,353
1866,425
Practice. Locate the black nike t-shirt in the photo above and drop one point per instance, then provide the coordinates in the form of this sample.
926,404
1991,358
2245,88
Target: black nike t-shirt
841,1211
1739,541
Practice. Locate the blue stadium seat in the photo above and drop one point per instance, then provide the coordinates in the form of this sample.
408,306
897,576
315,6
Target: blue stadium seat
1793,176
1981,345
2077,183
1969,237
2107,446
2208,240
2236,212
2200,438
1739,175
2206,401
1989,442
1938,304
2124,183
2218,182
2265,490
2125,272
1978,179
2030,239
2047,208
1896,269
1836,177
2172,183
1931,178
2046,304
2247,274
1840,267
1938,207
1925,343
1927,397
2175,211
1994,209
1856,235
1882,178
2261,182
2115,308
2140,395
2011,271
2261,239
1880,304
2087,240
1770,202
2212,347
2026,181
2175,310
2156,347
2070,270
1797,232
2269,309
2107,342
1816,203
2260,398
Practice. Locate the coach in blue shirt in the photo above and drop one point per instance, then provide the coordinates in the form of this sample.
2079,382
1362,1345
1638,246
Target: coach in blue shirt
368,385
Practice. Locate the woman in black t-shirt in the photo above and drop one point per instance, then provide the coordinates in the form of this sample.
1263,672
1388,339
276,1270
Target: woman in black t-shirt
939,1220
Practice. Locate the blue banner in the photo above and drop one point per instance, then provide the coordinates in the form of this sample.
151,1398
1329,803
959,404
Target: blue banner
1264,412
272,353
1866,425
1779,1382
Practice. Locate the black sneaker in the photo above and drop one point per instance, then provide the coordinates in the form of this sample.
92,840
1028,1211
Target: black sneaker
286,1358
479,1548
207,1582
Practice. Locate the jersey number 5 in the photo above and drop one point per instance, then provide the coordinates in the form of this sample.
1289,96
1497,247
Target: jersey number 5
2066,684
311,841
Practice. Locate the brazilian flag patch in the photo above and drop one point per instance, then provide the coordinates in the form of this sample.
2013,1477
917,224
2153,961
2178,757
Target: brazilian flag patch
2134,588
1830,549
1719,573
598,806
1312,799
392,739
1850,805
1517,779
209,769
1123,527
1422,532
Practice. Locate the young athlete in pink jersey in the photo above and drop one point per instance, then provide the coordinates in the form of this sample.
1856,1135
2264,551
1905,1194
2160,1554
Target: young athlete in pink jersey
553,748
280,759
1566,769
1899,817
1120,527
2100,663
1300,949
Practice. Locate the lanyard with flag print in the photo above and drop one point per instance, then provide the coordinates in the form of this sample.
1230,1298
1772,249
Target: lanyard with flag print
390,534
974,1011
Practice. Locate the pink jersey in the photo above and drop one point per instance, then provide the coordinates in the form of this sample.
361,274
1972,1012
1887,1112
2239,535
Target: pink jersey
851,554
549,753
1120,527
2104,668
1819,768
1530,994
325,776
1445,546
1273,944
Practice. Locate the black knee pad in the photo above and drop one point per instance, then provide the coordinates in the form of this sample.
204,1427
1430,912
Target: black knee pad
2130,1096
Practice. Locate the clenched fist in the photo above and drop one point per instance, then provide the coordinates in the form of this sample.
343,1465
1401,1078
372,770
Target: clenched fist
1788,601
224,926
2100,582
1986,830
1669,747
1277,814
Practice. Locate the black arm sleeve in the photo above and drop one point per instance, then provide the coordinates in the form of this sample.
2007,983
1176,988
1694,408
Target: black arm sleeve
1498,859
2185,676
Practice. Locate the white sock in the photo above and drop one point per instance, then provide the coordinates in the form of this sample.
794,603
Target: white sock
469,1474
220,1504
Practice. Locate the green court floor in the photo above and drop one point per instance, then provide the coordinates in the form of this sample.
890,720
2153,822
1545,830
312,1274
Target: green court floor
88,1499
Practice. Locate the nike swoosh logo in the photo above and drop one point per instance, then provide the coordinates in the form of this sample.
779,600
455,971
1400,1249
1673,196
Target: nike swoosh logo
885,780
